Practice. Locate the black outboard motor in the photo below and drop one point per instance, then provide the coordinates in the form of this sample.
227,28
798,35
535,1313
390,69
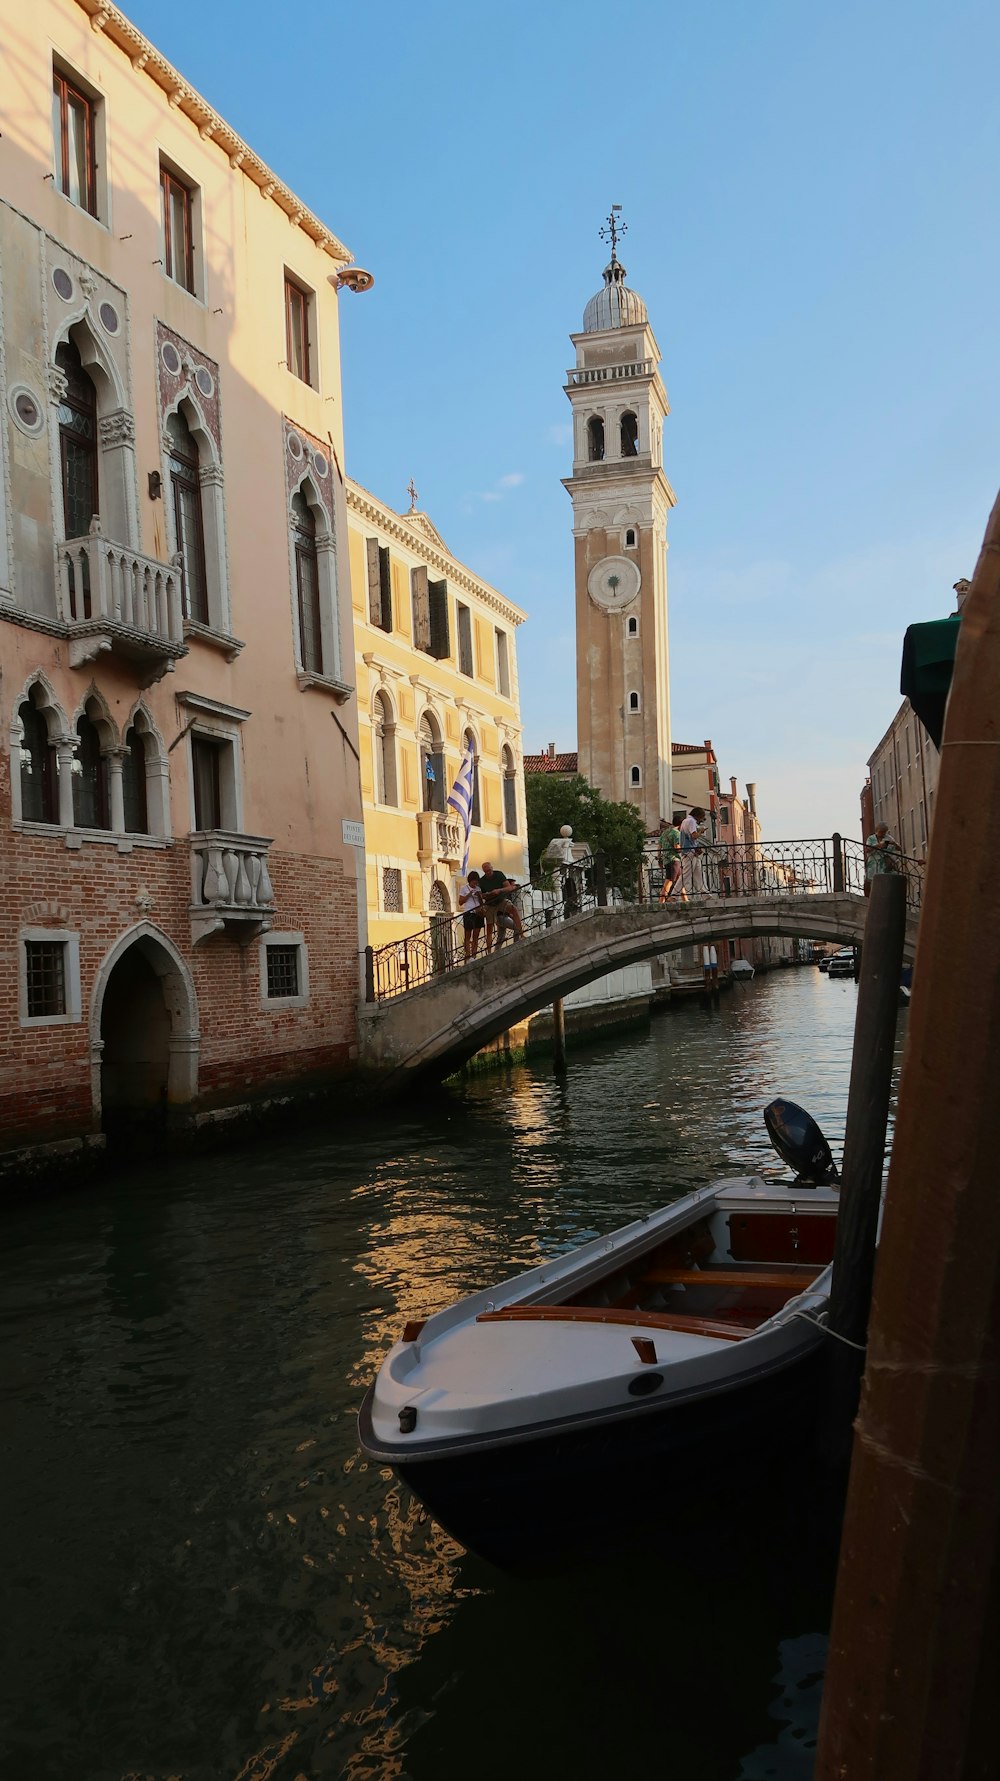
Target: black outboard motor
800,1143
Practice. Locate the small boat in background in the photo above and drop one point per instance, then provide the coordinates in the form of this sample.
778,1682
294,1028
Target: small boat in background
545,1415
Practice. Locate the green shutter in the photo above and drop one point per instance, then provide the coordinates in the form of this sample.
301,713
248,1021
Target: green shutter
385,588
421,609
440,643
374,594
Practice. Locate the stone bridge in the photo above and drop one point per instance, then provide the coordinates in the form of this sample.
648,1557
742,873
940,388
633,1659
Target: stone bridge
431,1030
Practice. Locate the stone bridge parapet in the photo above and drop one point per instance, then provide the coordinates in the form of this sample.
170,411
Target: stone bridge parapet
436,1028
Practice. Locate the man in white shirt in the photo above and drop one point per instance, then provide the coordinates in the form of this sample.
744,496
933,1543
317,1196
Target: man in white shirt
692,829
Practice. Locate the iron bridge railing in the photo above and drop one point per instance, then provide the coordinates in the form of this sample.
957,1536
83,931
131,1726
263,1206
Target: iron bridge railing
717,871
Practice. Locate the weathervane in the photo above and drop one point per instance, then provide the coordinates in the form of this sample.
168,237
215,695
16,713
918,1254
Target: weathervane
411,491
613,230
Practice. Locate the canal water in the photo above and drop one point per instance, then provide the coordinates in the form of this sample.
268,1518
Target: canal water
204,1578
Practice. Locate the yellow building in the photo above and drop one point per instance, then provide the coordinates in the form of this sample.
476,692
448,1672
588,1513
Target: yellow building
436,673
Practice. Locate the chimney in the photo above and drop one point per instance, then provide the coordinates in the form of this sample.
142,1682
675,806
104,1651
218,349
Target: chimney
961,589
732,787
552,751
752,795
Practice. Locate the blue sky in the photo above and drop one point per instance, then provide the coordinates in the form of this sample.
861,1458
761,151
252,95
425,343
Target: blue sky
812,200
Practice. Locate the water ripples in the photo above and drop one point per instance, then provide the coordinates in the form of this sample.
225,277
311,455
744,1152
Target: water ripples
209,1580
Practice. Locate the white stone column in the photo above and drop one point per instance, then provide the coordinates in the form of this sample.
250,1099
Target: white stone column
116,433
65,747
115,758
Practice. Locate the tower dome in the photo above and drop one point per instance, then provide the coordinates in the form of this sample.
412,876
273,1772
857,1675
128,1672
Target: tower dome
615,306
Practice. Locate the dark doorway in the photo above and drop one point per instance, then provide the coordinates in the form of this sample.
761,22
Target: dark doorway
135,1028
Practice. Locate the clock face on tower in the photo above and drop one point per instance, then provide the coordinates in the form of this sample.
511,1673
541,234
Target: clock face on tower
614,583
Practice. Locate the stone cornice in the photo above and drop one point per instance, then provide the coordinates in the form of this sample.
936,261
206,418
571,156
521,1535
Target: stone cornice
359,501
146,59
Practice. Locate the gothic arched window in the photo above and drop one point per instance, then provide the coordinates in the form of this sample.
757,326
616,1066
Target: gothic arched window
307,585
432,764
77,442
384,732
629,435
91,779
189,524
595,439
134,782
39,791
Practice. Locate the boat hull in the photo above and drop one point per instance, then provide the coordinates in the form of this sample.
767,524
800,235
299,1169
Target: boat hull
544,1498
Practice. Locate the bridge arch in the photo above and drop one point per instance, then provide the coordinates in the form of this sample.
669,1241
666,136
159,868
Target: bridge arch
435,1028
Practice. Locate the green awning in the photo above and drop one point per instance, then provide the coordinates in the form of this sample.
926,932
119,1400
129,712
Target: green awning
925,676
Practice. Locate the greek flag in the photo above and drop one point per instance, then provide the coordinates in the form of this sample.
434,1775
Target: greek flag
460,799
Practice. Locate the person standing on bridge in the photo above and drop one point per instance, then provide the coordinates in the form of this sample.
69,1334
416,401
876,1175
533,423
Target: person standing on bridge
470,901
499,905
669,850
692,873
881,855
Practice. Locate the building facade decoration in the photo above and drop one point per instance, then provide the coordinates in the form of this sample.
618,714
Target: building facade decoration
183,920
437,672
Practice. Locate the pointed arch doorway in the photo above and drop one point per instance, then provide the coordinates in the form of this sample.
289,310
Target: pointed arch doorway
144,1037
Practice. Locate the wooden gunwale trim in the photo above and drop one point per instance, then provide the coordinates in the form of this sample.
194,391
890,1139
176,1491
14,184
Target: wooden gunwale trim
794,1281
647,1320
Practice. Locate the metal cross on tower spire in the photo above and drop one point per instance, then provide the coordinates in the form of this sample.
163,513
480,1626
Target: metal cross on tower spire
411,491
613,230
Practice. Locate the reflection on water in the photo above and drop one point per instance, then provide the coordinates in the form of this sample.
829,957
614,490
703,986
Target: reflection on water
206,1577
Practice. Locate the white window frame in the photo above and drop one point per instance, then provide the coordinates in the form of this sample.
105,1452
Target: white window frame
298,940
632,625
634,785
71,975
637,696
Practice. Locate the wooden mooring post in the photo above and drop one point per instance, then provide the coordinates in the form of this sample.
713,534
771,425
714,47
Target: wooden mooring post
911,1681
864,1157
558,1037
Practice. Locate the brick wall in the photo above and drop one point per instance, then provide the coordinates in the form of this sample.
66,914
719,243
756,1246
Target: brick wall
246,1050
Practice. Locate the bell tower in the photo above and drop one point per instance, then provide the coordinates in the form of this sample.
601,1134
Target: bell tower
621,499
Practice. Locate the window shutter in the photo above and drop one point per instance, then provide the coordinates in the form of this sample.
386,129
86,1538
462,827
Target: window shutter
421,610
440,644
385,588
374,583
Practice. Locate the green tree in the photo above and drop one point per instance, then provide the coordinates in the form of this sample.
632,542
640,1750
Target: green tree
616,830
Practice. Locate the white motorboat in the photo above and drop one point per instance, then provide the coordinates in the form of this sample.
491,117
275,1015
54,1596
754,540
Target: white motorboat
530,1416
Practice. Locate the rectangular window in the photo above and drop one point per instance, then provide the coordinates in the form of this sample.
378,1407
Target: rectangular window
45,978
440,645
207,766
392,890
464,638
297,305
178,229
503,665
282,972
73,138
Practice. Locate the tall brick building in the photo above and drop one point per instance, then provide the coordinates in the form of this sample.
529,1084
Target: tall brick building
180,802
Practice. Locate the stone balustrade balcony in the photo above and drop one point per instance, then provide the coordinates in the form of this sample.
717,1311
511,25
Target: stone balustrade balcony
439,838
112,597
230,884
579,374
